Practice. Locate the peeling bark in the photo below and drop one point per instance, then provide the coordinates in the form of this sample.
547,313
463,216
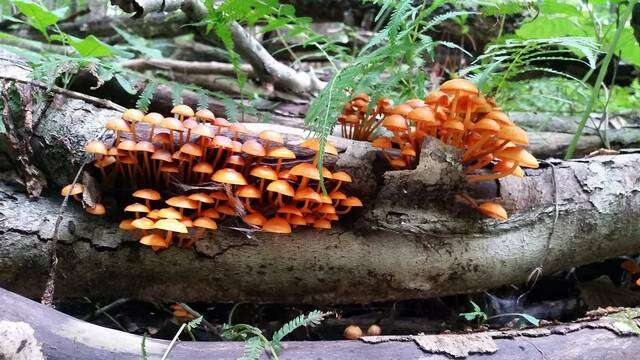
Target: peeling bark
44,331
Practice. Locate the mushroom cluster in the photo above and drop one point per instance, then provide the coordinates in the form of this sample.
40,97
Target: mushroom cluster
456,114
193,169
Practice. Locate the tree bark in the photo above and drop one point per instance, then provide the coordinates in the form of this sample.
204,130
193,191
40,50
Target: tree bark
32,331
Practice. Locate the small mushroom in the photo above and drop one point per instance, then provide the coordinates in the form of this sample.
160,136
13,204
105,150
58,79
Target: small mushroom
352,332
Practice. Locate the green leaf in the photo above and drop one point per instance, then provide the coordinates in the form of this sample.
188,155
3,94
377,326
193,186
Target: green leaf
146,96
126,85
549,7
628,47
37,16
531,319
545,27
90,46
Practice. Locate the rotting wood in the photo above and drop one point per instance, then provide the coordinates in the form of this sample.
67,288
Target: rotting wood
42,330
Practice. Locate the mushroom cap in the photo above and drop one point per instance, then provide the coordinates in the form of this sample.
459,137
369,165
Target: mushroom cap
169,168
519,155
500,117
229,176
306,170
350,119
514,134
169,213
205,114
183,110
408,150
362,96
187,222
326,199
147,194
382,142
249,191
201,197
133,115
153,214
236,146
337,195
455,85
281,152
171,225
437,98
342,176
222,141
127,145
96,147
281,187
286,175
422,114
235,160
238,128
254,148
353,332
162,155
326,174
277,225
162,138
415,103
104,161
493,210
374,330
400,109
137,207
307,193
117,124
325,209
453,125
206,223
191,149
314,144
172,124
154,240
309,219
255,218
395,123
264,172
221,122
297,220
225,209
72,189
128,160
486,125
182,202
398,162
506,165
203,167
219,195
190,123
322,224
97,209
205,130
145,146
153,118
211,213
289,209
126,225
272,136
143,223
351,201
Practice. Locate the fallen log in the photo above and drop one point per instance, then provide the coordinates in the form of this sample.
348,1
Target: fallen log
29,330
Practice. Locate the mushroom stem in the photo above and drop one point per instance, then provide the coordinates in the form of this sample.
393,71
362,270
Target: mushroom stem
171,141
482,162
345,211
470,200
498,147
247,203
468,155
169,239
477,178
151,132
133,131
337,186
147,166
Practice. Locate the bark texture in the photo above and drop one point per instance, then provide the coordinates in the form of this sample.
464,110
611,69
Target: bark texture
32,331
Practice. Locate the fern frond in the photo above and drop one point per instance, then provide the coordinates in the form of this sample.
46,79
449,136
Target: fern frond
146,96
253,348
311,319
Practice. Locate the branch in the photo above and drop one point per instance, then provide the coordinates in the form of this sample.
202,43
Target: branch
187,67
265,65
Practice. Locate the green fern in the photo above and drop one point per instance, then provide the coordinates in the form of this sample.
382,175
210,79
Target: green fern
176,96
255,341
146,96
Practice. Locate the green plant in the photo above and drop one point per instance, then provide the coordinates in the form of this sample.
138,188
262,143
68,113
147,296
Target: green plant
255,340
481,317
188,325
392,63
